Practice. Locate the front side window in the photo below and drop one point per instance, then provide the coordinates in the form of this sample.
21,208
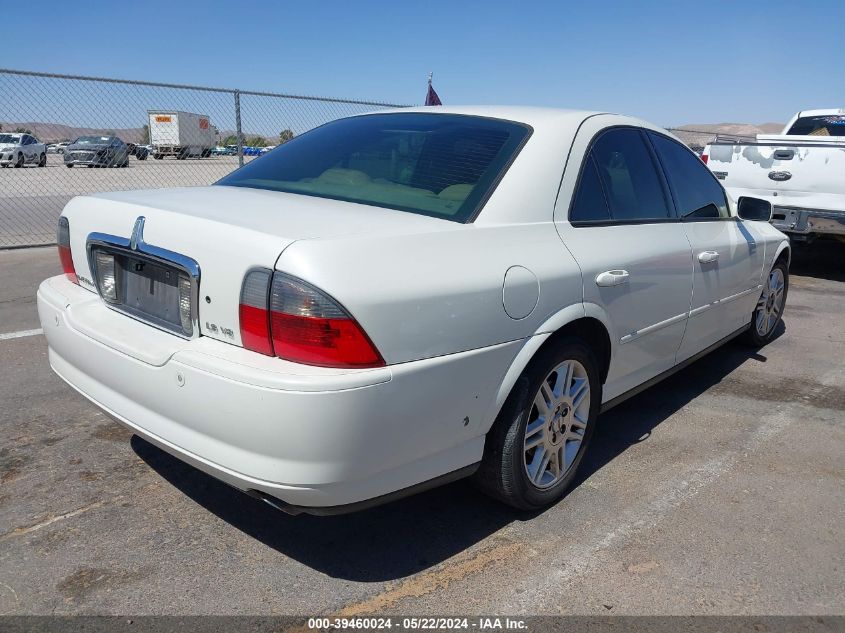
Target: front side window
629,178
697,193
441,165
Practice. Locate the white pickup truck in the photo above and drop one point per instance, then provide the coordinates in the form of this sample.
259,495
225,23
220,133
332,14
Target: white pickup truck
801,172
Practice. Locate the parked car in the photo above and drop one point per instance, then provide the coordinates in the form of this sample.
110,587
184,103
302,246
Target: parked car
405,298
264,150
219,151
799,171
138,151
19,149
97,151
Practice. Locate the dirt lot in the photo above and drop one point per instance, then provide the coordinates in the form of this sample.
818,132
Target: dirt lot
719,491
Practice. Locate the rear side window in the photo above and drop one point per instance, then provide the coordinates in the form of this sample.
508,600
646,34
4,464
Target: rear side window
829,125
590,204
628,176
441,165
697,194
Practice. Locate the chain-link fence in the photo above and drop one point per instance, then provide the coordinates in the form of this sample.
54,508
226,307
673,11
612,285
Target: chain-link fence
698,139
139,135
131,135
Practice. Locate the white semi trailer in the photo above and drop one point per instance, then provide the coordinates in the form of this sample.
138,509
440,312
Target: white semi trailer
181,134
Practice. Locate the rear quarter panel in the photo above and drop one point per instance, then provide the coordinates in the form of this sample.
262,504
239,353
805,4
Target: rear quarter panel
431,294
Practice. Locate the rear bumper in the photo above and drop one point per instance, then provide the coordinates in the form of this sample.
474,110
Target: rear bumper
809,221
309,437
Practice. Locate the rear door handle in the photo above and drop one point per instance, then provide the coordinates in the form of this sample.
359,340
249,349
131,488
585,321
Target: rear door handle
612,278
706,257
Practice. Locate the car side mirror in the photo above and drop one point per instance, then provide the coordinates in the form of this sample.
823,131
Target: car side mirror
756,209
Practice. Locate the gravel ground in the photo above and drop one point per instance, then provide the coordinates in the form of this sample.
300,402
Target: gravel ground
719,491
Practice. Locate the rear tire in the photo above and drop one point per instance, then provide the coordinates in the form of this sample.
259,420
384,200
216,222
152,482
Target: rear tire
19,161
533,450
768,312
69,165
42,162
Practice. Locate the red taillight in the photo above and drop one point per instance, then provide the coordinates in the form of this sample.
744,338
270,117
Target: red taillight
297,322
704,158
63,241
253,312
325,342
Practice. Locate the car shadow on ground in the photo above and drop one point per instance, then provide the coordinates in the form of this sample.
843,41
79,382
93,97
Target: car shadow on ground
822,259
413,534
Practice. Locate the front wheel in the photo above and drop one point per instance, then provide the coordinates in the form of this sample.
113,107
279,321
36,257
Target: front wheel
533,451
769,309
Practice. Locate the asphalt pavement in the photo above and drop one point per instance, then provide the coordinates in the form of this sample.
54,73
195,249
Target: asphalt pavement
718,491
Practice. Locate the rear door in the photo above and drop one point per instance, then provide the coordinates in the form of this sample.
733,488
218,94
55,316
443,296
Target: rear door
619,224
727,254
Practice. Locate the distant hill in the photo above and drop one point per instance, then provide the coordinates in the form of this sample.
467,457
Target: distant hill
53,132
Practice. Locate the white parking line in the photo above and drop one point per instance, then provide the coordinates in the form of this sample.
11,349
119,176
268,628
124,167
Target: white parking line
21,334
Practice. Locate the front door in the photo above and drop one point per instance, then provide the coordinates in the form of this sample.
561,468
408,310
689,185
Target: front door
727,255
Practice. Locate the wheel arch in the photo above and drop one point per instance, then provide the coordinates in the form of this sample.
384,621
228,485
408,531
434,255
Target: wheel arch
585,320
783,250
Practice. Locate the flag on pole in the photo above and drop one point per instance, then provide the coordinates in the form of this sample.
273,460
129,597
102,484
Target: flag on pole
431,98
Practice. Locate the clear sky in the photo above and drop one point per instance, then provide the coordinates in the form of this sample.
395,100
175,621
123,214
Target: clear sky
670,62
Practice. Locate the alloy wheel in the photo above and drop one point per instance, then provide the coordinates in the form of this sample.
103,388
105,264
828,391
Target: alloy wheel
770,304
556,424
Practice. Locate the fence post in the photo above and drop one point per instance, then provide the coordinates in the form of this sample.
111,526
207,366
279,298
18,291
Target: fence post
238,130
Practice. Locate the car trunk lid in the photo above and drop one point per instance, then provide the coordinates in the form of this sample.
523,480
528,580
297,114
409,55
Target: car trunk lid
226,231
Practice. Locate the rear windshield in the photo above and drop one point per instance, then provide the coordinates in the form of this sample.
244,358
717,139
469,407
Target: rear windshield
828,125
441,165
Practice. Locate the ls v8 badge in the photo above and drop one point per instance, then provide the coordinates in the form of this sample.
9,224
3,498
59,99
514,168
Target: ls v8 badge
780,176
227,332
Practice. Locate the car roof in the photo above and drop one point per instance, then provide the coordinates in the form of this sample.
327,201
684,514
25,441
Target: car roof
530,115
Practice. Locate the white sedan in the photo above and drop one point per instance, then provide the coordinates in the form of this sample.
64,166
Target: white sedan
400,299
